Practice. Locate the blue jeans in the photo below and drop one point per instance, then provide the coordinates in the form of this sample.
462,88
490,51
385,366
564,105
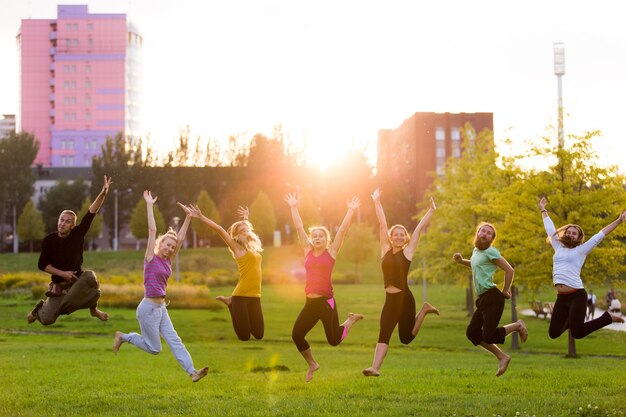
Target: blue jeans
154,321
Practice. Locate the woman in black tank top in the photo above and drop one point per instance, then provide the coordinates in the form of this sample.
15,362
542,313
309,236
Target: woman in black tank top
396,249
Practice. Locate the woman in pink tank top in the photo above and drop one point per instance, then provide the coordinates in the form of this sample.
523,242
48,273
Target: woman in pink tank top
320,254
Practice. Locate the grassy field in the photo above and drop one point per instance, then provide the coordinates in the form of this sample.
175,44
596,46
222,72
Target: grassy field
68,369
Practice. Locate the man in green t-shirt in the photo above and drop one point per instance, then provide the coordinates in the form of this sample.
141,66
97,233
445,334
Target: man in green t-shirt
483,328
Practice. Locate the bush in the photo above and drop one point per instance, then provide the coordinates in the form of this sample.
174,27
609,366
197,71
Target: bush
182,296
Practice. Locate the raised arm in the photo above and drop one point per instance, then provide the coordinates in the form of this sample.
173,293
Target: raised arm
194,211
182,232
548,224
382,223
611,226
292,200
352,204
458,258
409,250
147,195
508,275
97,203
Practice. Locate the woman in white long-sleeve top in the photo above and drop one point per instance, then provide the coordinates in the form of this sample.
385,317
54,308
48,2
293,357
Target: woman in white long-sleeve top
570,252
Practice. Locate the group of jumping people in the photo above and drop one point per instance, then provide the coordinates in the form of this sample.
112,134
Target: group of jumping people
72,289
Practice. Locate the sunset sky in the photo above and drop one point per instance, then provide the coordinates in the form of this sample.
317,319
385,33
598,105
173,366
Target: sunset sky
334,72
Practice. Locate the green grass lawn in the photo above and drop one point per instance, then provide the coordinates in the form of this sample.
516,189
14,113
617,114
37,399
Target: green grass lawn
68,369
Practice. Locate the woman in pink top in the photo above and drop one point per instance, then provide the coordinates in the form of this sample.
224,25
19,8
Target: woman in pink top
152,315
319,260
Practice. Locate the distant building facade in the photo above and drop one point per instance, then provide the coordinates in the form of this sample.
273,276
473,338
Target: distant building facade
7,125
421,145
80,82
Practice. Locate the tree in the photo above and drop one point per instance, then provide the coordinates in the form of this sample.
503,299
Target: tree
124,163
359,245
17,154
139,220
262,215
209,209
30,224
464,199
96,225
63,196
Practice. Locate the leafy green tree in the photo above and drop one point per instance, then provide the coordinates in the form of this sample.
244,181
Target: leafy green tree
139,220
123,162
96,225
209,209
359,245
262,215
17,154
30,224
308,210
63,196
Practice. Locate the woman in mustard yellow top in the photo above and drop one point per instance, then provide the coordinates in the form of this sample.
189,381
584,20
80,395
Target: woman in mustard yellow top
245,302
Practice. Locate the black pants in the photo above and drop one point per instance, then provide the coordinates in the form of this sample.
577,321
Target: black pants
484,324
247,317
399,308
569,312
314,310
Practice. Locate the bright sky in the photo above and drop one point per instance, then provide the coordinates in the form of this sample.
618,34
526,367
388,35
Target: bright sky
333,72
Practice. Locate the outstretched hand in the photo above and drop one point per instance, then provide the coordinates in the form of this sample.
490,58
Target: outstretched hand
191,210
507,293
291,199
622,217
354,203
147,195
243,212
542,203
376,194
107,184
457,257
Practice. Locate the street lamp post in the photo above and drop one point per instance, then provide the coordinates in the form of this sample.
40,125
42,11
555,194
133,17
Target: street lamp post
115,231
176,220
559,71
116,240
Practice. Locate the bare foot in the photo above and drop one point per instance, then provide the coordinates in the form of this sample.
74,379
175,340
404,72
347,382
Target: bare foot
117,342
370,372
100,314
522,331
504,363
616,318
198,375
354,317
224,299
30,318
428,309
309,373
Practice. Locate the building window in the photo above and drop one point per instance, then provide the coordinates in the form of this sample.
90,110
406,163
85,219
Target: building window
68,27
75,42
90,42
68,42
440,134
88,68
89,27
455,136
75,26
94,144
87,83
88,100
88,116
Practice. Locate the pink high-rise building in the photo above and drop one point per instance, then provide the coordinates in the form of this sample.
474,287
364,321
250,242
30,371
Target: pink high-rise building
79,83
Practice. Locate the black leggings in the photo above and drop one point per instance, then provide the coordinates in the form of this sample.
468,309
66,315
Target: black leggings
569,312
399,308
483,326
247,317
316,309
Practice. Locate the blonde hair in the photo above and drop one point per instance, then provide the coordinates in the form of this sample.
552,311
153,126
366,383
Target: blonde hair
171,233
248,240
71,213
323,229
399,226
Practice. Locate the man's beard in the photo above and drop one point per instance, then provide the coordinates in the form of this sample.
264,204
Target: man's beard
482,243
